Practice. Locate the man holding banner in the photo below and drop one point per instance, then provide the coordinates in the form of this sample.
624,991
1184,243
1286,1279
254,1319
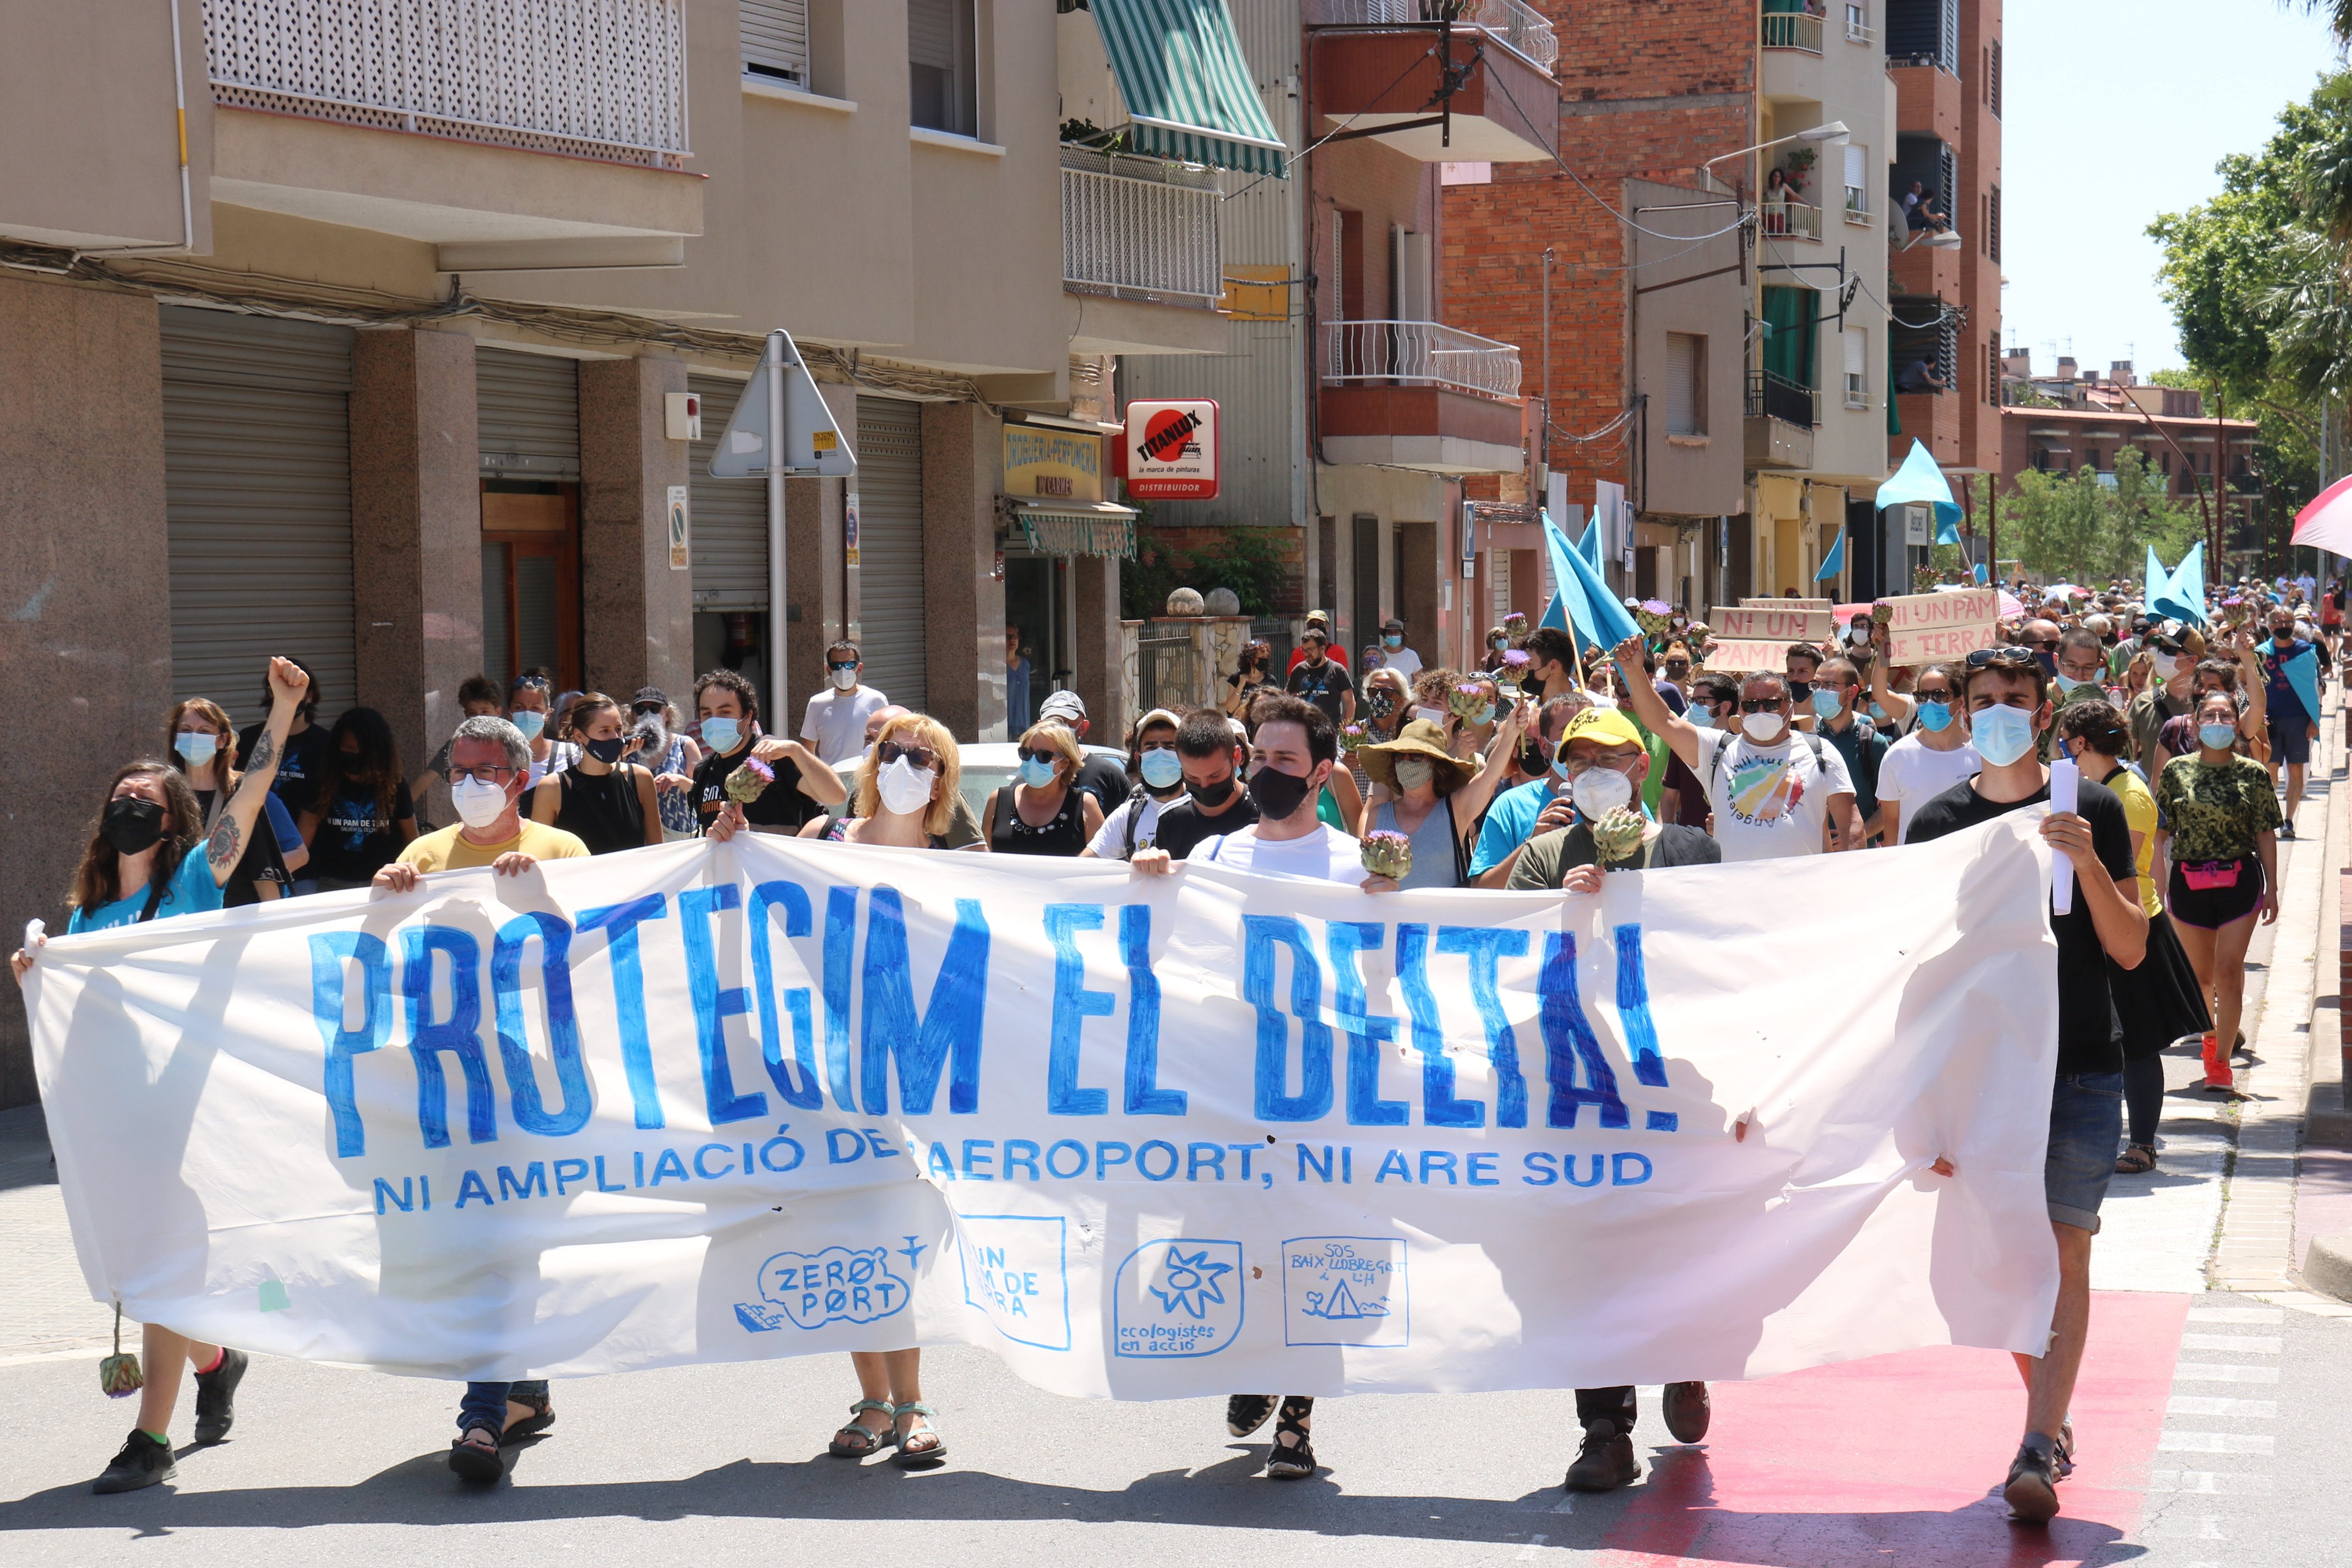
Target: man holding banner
2002,691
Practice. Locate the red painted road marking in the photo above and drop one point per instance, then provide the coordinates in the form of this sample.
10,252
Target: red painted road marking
1894,1462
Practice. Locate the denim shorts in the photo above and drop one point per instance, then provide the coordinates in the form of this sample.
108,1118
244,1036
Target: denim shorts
2086,1122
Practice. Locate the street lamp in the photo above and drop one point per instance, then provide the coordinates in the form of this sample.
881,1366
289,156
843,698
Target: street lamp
1834,135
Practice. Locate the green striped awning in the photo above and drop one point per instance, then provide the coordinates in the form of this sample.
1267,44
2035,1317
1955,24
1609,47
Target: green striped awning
1077,528
1188,90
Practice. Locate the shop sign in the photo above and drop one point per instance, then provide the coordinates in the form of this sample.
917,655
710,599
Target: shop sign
1044,463
1170,453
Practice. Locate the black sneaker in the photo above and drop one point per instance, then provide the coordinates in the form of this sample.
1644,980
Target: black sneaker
216,1397
1246,1413
1688,1411
1606,1461
2032,1489
481,1463
2286,830
142,1462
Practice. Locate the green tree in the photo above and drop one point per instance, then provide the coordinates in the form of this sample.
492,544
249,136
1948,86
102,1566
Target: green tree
2090,527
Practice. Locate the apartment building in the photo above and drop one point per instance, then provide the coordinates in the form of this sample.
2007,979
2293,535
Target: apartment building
1944,58
356,331
1708,271
1355,405
2075,421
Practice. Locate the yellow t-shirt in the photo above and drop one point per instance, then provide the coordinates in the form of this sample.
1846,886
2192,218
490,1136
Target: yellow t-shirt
2140,815
448,849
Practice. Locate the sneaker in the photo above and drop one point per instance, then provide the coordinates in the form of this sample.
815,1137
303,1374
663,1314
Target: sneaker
1246,1413
216,1397
1605,1461
142,1462
2031,1492
481,1463
1688,1411
2286,830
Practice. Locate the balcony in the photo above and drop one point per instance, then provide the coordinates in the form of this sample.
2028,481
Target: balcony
1386,78
1777,432
1792,30
1140,242
1791,220
1516,27
1418,394
512,136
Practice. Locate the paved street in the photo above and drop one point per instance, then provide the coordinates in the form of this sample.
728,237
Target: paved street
2209,1418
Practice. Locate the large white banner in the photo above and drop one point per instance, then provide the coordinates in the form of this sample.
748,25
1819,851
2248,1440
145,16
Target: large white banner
1141,1137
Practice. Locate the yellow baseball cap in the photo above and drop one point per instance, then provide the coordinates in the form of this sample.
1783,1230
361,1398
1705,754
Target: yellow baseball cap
1610,726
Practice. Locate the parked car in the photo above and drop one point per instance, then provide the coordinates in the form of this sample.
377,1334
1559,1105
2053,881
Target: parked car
987,765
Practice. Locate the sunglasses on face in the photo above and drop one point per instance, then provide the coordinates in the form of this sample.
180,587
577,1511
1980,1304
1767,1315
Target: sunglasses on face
850,665
889,752
1042,754
1761,705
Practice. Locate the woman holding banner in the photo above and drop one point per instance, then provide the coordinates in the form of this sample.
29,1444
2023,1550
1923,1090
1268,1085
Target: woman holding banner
141,864
905,799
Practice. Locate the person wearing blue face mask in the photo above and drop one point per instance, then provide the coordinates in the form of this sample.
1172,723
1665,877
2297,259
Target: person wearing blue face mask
1395,655
1931,759
531,709
2105,924
1042,811
727,706
1836,686
1158,774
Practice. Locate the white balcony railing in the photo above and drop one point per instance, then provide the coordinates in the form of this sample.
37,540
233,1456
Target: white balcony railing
1140,229
1792,220
1419,353
587,78
1792,30
1521,26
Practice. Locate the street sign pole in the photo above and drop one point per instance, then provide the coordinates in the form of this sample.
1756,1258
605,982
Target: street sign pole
779,703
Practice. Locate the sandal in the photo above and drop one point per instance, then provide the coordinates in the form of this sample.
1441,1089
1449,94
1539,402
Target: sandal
2064,1447
856,1439
1290,1460
479,1462
1246,1413
931,1453
541,1416
2136,1160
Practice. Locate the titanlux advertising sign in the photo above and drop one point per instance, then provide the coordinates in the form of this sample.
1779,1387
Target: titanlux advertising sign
1171,450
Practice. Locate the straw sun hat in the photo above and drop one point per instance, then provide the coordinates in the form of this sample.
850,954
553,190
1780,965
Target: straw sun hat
1418,738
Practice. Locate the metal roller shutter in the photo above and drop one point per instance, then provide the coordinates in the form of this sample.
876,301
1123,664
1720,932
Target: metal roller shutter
258,497
890,547
774,35
729,516
527,413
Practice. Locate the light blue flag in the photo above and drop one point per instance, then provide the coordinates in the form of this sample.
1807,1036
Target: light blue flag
1590,543
2302,673
2157,577
2182,597
1598,619
1565,612
1918,481
1981,574
1834,562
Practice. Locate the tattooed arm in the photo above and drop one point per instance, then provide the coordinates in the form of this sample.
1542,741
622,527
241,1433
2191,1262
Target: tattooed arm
288,686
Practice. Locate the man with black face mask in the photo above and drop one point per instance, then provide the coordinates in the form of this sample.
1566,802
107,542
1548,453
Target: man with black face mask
1294,751
1208,758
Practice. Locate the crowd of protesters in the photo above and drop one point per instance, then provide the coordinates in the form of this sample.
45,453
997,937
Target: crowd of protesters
1545,766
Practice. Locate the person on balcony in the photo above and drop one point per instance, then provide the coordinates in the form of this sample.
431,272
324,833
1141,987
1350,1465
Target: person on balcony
1920,376
1776,203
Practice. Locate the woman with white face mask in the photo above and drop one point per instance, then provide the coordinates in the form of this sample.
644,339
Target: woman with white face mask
1433,798
904,799
1042,811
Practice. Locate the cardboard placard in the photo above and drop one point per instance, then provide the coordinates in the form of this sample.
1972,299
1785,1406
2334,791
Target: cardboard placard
1787,604
1747,655
1926,627
1772,620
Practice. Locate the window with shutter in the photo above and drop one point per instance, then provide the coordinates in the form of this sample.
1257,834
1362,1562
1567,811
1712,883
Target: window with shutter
775,40
1857,368
940,49
1857,178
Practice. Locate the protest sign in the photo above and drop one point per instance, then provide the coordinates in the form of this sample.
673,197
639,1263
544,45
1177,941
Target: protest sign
1141,1137
1926,627
1747,655
1772,621
1786,603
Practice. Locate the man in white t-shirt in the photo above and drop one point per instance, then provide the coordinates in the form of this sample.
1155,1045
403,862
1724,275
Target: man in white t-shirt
1294,751
1775,791
835,725
1936,755
1152,759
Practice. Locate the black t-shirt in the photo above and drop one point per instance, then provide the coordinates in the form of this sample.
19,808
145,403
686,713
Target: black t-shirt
1322,684
352,842
1184,825
2089,1032
783,806
1104,778
300,765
